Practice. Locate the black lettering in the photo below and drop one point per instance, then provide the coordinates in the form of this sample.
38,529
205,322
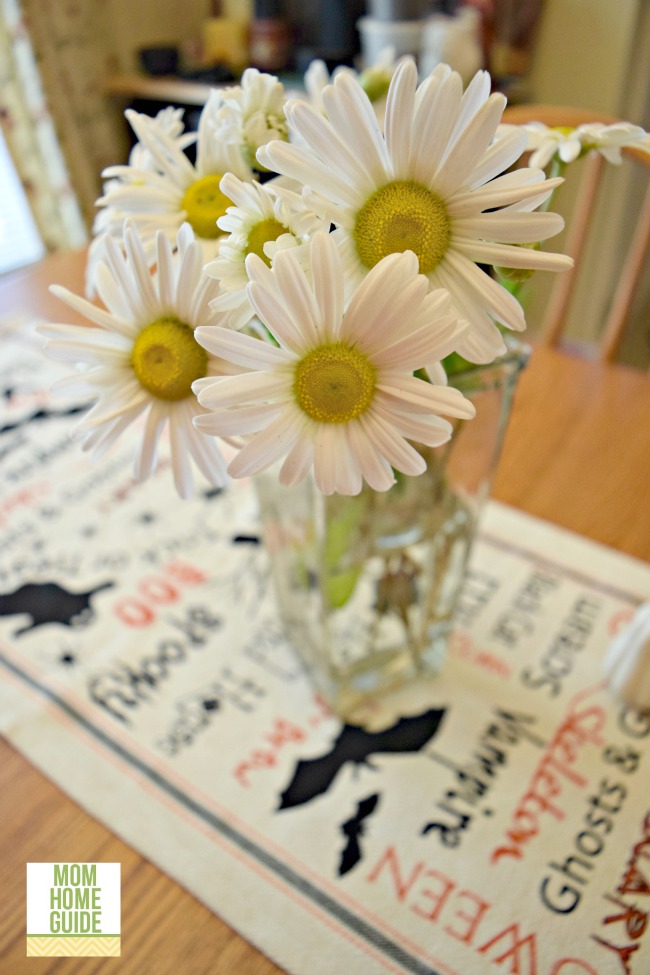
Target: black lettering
560,901
589,843
534,682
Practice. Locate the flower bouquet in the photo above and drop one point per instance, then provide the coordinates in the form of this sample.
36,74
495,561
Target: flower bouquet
310,302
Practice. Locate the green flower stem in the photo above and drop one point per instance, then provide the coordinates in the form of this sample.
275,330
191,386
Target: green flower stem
556,168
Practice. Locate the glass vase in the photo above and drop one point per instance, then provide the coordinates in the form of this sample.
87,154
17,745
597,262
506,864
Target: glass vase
367,586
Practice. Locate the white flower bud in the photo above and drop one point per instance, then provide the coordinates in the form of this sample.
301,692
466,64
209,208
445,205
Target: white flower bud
627,662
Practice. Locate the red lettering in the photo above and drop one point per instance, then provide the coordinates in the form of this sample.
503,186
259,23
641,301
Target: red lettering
635,920
559,966
624,954
133,612
264,759
513,951
619,620
389,859
634,882
473,919
439,899
241,773
183,572
506,851
259,759
157,590
283,732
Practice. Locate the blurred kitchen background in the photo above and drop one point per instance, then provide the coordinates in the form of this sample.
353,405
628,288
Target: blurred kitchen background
69,68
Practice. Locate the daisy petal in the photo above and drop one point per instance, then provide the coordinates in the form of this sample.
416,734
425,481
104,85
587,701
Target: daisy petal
510,227
146,459
243,350
415,395
237,390
266,447
328,284
399,112
238,421
508,255
298,461
181,466
392,446
376,471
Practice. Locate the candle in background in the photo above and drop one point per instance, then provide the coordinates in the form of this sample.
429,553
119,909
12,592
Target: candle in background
224,37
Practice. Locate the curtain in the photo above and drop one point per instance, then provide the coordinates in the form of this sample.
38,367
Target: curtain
60,128
31,138
72,40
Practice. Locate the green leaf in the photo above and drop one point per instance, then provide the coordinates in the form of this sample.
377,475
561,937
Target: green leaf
341,539
340,587
454,363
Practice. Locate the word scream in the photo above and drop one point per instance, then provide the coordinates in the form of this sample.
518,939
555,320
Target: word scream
572,637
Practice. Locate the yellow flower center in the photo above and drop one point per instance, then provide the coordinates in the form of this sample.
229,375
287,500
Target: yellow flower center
375,82
403,216
262,233
334,383
204,203
166,359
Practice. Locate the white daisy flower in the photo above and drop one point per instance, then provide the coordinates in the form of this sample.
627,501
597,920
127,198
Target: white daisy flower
545,142
374,79
261,222
170,123
143,358
175,191
608,140
568,143
316,79
431,185
337,393
252,113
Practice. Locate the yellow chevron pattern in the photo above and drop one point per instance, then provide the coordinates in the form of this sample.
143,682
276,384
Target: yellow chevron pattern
73,947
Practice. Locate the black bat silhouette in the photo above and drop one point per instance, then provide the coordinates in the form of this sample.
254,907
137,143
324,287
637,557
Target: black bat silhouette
354,829
314,776
48,602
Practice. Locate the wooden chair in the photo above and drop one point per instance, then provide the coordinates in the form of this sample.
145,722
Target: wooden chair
593,167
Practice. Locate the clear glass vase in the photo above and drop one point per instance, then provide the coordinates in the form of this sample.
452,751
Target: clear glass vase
367,586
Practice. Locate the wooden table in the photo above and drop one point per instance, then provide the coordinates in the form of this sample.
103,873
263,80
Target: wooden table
577,453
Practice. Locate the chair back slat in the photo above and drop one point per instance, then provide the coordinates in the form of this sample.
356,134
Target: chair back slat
556,312
636,258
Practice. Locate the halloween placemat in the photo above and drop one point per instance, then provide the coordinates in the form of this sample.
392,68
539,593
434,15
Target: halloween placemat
494,820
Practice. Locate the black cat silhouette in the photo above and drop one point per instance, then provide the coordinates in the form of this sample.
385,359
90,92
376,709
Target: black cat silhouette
48,602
